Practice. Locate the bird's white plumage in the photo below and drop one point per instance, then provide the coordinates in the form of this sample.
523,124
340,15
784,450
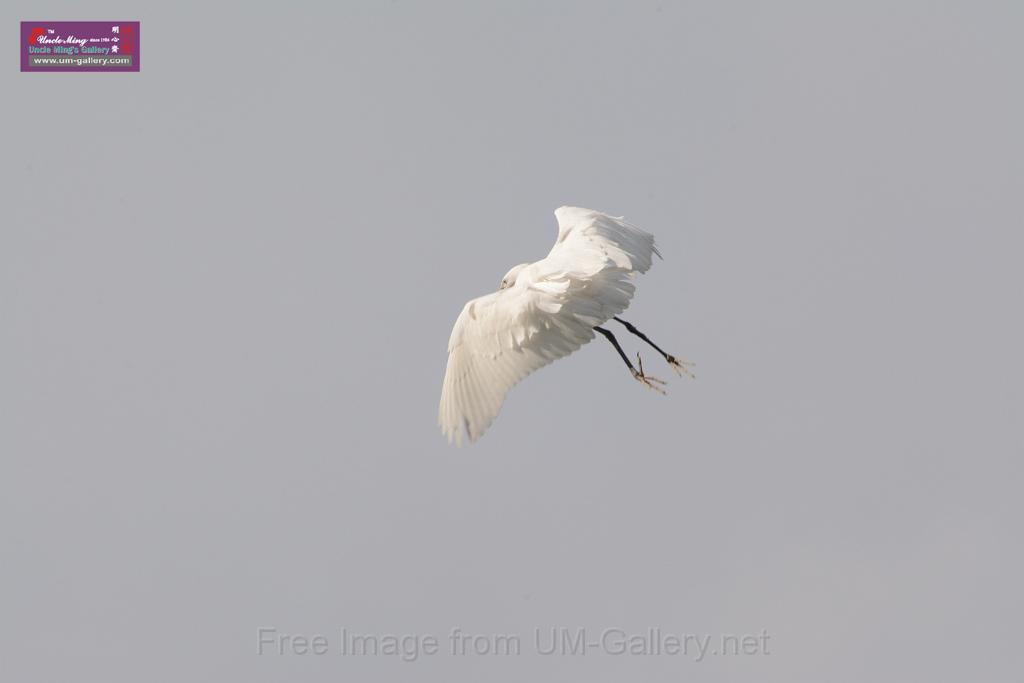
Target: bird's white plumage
549,312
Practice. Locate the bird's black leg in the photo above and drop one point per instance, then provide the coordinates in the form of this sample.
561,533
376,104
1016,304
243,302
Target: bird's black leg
650,382
679,365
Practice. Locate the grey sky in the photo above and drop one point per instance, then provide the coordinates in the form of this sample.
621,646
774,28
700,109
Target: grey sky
227,283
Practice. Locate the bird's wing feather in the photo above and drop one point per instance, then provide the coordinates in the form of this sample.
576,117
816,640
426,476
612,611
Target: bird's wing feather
498,340
590,241
502,337
595,259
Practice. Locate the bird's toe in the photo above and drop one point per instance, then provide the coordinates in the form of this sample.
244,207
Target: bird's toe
682,367
650,382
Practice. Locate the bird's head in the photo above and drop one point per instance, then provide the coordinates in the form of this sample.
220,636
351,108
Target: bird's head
510,276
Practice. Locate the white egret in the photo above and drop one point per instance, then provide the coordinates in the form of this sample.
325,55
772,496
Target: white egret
543,311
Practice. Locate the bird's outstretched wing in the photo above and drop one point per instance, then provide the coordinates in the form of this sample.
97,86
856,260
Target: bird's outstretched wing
590,242
551,311
498,340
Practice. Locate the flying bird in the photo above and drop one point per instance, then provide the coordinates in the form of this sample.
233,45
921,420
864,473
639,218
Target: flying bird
544,311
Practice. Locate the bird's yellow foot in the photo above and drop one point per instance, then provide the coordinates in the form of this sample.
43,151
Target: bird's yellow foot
682,367
649,382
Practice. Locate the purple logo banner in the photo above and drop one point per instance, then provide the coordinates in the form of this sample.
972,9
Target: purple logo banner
79,46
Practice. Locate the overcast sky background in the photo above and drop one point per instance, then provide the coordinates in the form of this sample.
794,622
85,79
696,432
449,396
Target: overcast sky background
227,285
